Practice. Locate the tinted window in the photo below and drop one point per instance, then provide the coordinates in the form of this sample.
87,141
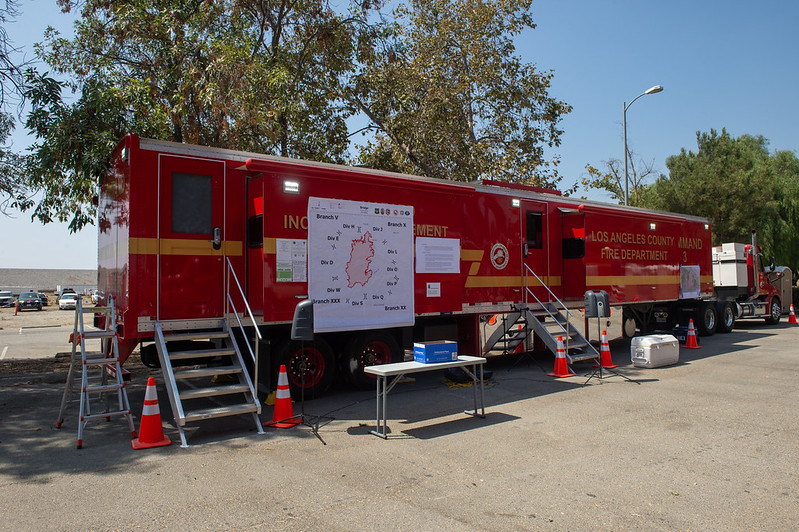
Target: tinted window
255,231
191,203
573,248
535,238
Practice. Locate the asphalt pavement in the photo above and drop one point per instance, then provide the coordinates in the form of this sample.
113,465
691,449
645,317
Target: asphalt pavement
707,444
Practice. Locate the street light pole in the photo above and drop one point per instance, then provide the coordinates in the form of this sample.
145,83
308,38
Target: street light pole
650,90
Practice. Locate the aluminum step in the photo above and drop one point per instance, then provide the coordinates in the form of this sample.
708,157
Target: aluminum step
207,335
214,391
211,371
200,353
98,334
219,411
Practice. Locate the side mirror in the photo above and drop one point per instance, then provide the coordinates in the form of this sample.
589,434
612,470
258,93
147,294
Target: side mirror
772,264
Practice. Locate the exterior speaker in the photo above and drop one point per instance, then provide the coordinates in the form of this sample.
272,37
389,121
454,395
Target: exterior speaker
597,304
302,325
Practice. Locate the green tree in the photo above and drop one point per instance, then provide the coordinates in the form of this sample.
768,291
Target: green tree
240,75
13,192
612,180
451,99
440,85
739,186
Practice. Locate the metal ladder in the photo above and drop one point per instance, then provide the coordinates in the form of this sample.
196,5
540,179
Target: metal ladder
100,372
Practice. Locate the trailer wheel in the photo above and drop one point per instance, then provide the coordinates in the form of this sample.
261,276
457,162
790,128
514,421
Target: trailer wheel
726,317
308,364
629,325
776,311
368,348
706,319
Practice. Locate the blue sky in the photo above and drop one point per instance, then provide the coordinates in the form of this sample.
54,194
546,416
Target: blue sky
723,64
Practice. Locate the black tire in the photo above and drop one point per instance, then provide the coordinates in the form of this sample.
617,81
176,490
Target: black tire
706,319
149,356
368,348
319,366
726,317
776,311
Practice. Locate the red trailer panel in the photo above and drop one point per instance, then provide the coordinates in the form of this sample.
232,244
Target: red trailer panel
173,216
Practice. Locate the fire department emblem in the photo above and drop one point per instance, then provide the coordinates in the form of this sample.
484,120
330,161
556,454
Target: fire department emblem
499,256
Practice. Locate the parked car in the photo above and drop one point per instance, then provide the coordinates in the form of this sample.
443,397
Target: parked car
29,300
68,301
6,299
43,297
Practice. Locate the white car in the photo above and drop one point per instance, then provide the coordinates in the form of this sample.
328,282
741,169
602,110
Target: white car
68,301
6,299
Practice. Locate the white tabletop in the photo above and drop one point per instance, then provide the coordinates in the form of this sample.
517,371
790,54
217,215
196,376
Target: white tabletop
400,368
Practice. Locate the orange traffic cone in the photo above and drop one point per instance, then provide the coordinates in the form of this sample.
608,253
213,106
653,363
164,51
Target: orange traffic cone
151,433
283,416
604,353
792,316
561,367
690,341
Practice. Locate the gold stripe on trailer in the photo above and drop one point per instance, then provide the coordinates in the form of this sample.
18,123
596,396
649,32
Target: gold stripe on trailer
180,246
631,280
504,281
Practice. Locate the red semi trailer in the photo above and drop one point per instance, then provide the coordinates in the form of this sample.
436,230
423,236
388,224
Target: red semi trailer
190,237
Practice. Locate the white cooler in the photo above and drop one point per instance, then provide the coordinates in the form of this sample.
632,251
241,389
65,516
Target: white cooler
654,350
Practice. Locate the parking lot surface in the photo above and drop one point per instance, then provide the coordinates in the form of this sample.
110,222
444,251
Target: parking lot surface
708,444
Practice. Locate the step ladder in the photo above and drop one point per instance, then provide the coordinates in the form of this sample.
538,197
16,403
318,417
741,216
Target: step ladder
216,384
97,376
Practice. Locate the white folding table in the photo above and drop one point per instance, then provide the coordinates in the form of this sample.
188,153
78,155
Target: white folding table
397,370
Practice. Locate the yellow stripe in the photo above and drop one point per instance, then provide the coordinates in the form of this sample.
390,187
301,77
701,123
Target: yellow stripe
180,246
504,281
475,267
472,255
270,246
631,280
143,246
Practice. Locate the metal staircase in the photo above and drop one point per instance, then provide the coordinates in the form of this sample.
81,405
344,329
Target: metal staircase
553,320
509,332
217,383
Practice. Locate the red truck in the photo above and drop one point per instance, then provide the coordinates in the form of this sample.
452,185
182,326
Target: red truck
192,238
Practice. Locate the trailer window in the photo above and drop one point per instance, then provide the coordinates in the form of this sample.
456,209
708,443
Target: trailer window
255,232
573,248
534,230
191,203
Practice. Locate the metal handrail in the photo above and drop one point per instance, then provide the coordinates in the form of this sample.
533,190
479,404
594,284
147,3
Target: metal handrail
253,355
527,290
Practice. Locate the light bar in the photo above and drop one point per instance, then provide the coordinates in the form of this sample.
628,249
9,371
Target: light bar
291,187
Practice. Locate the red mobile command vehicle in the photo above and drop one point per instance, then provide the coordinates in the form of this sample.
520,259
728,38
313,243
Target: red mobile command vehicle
195,241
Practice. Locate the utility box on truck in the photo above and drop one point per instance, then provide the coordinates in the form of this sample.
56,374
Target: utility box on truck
729,266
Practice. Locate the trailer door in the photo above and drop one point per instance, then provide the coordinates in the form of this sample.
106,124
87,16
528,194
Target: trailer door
191,238
534,249
573,254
